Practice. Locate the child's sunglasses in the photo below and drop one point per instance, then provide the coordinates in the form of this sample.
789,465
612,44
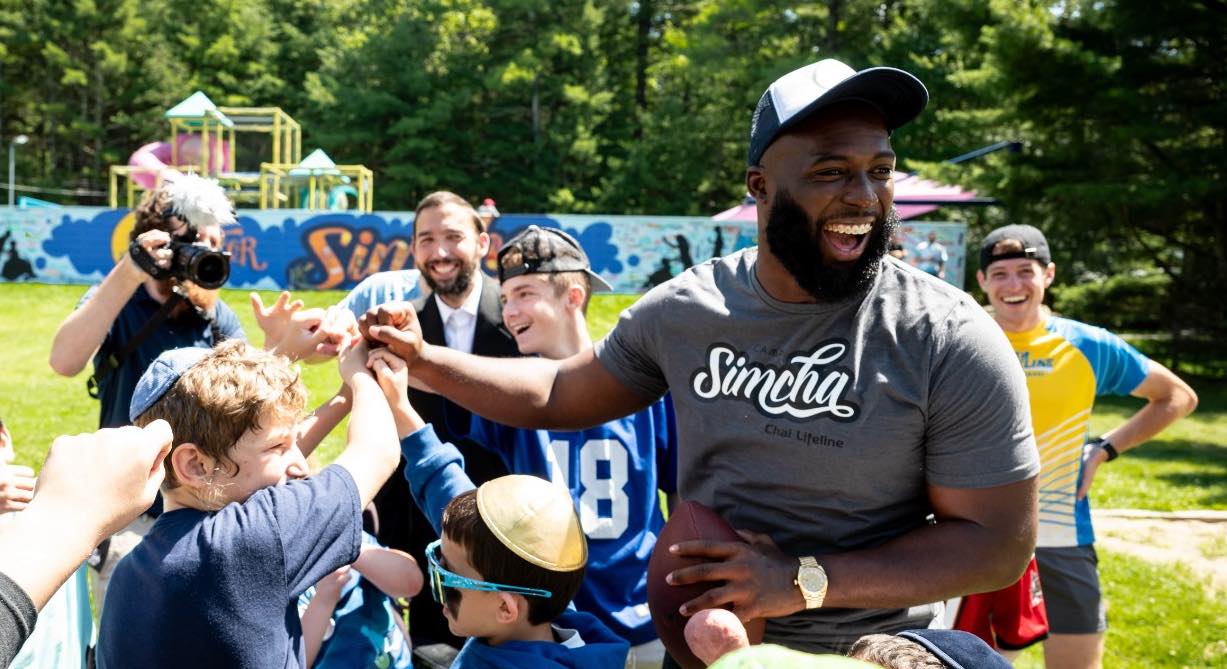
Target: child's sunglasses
442,580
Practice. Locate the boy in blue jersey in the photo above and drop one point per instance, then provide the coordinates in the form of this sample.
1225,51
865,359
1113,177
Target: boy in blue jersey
215,582
510,556
613,470
1068,364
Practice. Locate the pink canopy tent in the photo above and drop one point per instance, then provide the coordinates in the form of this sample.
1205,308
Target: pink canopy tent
907,187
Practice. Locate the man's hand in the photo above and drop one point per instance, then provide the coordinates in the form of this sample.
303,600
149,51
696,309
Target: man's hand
104,479
1091,459
395,325
759,578
156,244
274,320
16,487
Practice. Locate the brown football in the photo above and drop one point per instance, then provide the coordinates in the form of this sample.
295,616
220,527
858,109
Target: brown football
687,522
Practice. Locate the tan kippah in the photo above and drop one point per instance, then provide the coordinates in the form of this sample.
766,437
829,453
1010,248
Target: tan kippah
535,519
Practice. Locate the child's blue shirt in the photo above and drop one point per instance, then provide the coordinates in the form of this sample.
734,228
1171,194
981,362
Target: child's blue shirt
220,589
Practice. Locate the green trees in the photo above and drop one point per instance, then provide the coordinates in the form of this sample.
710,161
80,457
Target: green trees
642,106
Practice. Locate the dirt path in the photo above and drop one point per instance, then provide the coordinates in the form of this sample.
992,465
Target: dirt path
1196,539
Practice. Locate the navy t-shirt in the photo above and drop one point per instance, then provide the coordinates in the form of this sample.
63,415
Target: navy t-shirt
182,331
221,589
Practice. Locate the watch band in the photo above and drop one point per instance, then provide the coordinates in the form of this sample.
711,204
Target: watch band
812,600
1107,448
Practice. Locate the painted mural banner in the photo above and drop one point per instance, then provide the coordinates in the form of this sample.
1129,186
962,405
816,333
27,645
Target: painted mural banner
299,249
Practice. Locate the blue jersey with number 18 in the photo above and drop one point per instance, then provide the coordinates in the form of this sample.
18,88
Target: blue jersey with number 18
613,471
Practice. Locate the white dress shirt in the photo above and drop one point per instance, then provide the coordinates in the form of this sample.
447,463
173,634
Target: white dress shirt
460,325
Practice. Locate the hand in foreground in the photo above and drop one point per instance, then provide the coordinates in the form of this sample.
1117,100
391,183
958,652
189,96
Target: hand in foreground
395,325
105,479
16,487
760,579
713,633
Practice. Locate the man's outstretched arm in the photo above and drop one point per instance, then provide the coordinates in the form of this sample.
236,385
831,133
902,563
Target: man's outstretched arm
574,393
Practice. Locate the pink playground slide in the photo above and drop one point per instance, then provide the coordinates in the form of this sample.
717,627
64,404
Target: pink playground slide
154,158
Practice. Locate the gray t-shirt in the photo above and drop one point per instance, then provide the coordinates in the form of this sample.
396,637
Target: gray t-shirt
821,424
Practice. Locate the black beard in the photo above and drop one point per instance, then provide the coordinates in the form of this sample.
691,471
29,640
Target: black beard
794,241
458,286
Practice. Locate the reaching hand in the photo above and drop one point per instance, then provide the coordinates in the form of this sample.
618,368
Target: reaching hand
352,361
16,487
395,325
391,373
105,479
274,320
759,578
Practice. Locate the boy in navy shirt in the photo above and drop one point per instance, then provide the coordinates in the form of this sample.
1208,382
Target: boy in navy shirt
510,557
215,582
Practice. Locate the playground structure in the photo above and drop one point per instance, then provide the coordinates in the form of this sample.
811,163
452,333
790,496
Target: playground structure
203,140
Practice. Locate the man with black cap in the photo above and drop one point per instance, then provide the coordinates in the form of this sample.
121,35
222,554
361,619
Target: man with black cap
1068,364
828,398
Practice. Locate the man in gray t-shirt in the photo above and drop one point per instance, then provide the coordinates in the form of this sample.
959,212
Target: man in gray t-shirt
866,421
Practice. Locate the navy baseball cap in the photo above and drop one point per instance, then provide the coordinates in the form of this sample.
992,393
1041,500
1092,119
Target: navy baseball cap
957,649
537,250
1033,243
161,375
795,96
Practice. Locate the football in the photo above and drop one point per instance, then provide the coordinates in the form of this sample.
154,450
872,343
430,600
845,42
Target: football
687,522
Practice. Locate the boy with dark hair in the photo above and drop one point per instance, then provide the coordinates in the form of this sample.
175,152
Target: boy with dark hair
216,580
510,557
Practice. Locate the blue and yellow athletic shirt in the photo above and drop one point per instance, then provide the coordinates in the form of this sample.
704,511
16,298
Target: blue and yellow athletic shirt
1068,364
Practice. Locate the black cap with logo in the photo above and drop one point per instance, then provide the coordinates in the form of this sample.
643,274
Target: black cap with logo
1029,238
538,250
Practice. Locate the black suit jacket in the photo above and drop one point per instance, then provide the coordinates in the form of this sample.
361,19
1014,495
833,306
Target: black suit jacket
401,523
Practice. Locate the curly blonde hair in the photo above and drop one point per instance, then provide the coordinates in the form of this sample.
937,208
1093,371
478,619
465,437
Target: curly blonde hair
222,397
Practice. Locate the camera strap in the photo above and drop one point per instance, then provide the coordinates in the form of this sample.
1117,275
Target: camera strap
111,363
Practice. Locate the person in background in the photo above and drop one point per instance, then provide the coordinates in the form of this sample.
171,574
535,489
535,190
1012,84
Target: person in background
1068,364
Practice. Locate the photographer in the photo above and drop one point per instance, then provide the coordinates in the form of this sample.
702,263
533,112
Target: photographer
110,317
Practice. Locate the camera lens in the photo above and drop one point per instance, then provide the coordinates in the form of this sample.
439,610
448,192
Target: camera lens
211,271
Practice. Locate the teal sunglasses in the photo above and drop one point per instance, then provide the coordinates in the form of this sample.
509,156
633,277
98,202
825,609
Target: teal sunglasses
444,584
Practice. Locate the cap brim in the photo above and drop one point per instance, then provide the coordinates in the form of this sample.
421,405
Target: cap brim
897,94
599,285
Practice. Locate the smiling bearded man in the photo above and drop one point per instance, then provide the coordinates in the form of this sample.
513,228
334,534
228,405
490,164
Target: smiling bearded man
829,399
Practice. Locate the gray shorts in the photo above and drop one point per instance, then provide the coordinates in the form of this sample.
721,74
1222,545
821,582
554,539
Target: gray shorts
1070,580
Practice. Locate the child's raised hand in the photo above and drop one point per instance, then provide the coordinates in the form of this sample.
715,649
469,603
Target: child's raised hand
391,372
351,361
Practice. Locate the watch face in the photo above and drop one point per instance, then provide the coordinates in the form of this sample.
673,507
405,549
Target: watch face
811,580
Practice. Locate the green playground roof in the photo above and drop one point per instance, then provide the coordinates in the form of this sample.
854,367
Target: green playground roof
198,106
316,163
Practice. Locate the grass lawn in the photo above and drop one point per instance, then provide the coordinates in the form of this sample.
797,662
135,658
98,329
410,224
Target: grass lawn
1160,616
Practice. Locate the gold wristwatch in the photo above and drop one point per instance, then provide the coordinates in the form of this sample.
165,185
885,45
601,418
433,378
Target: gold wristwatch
812,580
